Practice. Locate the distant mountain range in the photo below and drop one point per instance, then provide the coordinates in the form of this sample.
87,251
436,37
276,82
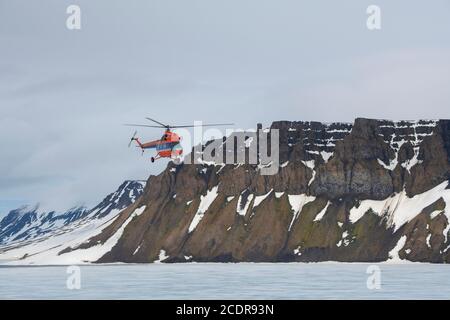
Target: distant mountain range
29,227
372,190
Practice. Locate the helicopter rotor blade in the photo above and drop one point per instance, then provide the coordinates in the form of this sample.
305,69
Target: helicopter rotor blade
183,126
205,125
142,125
162,124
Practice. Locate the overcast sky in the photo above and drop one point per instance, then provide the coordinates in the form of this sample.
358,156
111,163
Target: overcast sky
64,94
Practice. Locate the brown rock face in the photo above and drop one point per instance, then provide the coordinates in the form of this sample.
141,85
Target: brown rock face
311,209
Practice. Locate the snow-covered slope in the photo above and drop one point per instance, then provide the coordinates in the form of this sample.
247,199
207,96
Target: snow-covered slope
28,235
29,222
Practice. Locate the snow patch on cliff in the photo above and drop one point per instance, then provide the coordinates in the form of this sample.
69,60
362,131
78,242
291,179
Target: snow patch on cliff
399,208
242,208
259,199
310,164
393,254
284,164
162,256
297,203
397,140
205,202
435,213
322,212
326,155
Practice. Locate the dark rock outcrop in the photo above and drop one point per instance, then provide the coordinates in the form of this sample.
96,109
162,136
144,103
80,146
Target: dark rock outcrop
367,191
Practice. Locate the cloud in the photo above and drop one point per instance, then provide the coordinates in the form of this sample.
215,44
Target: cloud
65,95
398,84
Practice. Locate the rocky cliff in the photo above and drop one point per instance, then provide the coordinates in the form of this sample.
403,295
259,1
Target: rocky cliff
373,190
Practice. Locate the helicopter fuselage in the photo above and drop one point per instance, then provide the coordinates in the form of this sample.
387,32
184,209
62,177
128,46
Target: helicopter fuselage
167,147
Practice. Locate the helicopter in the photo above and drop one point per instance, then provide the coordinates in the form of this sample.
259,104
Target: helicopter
169,145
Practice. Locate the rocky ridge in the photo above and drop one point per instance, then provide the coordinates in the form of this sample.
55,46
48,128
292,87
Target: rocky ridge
373,190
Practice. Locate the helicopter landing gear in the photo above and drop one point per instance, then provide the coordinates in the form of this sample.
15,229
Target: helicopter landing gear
153,159
176,160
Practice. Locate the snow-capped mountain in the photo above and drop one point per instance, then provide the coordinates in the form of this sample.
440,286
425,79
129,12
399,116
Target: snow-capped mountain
28,222
124,196
28,228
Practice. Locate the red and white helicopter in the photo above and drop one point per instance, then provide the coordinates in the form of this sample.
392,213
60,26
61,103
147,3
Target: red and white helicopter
168,146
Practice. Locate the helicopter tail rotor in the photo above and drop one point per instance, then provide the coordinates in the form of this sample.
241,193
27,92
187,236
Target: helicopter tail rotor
132,138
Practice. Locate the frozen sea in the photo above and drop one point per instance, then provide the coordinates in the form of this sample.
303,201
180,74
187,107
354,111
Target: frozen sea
228,281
